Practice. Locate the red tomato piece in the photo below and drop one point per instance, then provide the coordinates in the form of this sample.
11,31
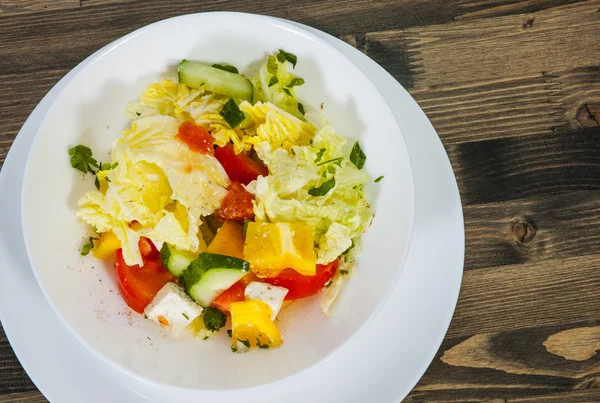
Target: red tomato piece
139,285
196,138
235,293
147,249
237,204
301,286
239,167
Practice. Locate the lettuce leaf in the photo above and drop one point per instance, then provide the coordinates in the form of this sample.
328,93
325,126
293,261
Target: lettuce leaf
275,84
338,216
157,99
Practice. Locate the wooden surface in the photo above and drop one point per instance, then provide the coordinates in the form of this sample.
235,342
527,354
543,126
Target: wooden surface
513,89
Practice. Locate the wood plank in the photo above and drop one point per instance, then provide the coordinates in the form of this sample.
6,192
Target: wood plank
532,230
514,366
475,9
16,107
15,7
560,38
547,293
25,397
516,168
578,396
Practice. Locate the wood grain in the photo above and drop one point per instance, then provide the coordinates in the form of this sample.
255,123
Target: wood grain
561,38
513,89
563,225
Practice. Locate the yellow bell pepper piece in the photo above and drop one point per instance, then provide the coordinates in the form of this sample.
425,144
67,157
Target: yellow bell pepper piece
271,248
251,324
106,246
229,240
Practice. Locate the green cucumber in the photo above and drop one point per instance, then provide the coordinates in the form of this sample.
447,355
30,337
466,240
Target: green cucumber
174,260
203,76
211,274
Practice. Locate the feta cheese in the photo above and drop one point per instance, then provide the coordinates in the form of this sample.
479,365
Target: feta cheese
272,295
172,308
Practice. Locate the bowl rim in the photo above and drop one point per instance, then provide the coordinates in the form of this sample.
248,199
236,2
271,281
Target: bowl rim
94,57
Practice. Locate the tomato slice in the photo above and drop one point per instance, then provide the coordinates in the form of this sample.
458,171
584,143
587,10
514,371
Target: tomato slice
239,167
139,285
235,293
196,138
301,286
237,204
147,249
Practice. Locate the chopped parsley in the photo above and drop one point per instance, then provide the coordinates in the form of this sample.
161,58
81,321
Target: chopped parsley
245,342
282,56
272,65
185,315
329,284
296,81
214,319
274,80
378,179
301,108
357,156
226,67
261,345
323,189
82,159
232,114
205,338
349,249
88,246
343,272
320,154
337,161
287,91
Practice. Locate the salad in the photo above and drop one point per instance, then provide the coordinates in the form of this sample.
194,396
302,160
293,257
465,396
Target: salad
225,201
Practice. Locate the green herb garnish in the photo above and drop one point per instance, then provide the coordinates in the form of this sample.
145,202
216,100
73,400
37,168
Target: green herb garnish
274,80
282,56
343,272
328,284
301,108
245,342
296,81
320,154
97,182
337,161
226,67
272,65
82,160
261,345
349,249
185,315
232,114
287,92
214,319
323,189
357,156
87,247
378,179
205,338
229,332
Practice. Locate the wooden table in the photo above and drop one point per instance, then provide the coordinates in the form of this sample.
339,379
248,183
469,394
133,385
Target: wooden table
513,89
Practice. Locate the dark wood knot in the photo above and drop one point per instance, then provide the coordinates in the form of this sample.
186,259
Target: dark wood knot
528,23
523,231
588,115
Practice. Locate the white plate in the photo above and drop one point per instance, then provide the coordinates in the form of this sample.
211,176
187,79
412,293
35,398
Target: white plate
389,366
89,110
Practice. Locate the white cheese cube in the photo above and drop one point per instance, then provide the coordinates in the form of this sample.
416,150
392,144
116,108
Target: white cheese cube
172,308
271,294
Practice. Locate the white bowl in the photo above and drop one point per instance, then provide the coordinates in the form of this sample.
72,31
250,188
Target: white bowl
89,111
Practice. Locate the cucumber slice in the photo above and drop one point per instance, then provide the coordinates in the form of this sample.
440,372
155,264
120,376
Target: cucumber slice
203,76
174,260
211,274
